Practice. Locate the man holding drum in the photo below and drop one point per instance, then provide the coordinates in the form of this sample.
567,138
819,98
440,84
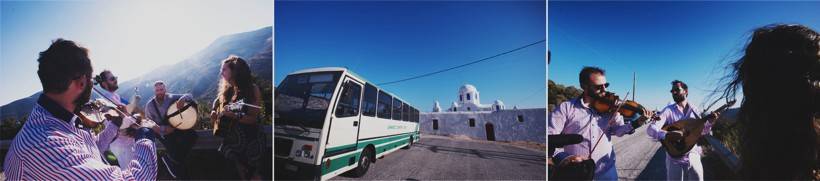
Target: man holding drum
177,142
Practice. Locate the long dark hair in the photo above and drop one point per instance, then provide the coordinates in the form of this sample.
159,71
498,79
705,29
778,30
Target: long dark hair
241,75
778,112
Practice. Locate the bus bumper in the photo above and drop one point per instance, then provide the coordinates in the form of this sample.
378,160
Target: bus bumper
287,169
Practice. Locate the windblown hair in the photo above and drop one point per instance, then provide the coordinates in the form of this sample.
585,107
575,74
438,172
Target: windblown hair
778,112
682,84
241,75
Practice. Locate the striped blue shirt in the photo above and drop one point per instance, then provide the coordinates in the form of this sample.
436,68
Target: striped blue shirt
50,146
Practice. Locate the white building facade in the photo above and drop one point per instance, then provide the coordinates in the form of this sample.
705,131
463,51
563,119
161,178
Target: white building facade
468,117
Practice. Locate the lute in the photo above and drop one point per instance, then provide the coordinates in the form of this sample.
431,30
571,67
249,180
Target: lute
692,129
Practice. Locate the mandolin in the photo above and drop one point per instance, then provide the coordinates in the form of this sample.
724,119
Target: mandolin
691,129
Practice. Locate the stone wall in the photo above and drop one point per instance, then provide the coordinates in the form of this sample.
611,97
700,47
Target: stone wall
505,124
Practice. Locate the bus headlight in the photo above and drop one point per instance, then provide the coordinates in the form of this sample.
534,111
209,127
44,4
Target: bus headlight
305,151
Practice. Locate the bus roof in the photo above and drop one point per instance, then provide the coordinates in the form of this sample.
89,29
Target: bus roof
319,69
328,69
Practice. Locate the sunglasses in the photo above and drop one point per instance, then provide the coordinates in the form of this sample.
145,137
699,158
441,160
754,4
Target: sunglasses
602,86
112,78
676,90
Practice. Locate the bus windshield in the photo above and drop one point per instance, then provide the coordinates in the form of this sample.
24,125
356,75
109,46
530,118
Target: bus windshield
303,99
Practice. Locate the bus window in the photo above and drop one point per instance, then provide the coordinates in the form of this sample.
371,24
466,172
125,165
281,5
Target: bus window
415,115
397,109
384,107
369,103
303,99
349,101
405,113
412,114
416,118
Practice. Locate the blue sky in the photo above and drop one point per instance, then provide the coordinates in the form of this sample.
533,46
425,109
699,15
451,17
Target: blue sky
129,38
660,41
387,41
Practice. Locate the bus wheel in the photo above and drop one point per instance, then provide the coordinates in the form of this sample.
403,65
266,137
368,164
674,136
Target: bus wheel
409,144
364,163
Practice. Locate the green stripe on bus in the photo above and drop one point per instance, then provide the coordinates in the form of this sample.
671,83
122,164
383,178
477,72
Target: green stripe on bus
376,141
338,163
343,161
329,150
384,140
391,146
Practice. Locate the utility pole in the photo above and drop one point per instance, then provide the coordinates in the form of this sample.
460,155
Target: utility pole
634,81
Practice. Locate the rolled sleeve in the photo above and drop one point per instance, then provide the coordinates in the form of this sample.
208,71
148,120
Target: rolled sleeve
107,135
654,130
556,121
82,165
620,127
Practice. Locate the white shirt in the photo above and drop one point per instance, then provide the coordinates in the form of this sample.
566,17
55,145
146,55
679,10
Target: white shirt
575,117
669,115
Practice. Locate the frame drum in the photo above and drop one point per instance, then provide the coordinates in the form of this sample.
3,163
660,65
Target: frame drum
182,119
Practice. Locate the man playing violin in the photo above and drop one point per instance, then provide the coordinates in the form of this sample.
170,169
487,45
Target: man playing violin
57,142
124,141
577,116
687,167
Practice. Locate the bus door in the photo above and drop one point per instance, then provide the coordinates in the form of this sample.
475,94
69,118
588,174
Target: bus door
344,122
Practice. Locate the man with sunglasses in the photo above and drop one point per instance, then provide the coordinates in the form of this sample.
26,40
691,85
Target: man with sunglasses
108,82
687,167
577,117
122,144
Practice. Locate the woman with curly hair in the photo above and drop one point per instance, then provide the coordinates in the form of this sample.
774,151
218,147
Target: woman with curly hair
243,142
779,78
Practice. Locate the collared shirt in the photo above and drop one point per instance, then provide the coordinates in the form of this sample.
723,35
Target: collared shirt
50,146
669,115
575,117
122,144
113,96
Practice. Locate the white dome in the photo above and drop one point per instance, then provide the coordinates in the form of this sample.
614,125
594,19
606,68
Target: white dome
467,88
498,102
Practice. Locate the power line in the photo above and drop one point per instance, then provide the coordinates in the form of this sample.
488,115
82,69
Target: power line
529,96
463,65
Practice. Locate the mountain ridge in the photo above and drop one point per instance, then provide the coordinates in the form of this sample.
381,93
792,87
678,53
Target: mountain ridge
196,75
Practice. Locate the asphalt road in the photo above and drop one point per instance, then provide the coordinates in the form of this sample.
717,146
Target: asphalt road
443,158
637,157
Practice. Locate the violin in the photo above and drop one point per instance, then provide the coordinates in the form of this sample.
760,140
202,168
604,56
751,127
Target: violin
611,103
93,113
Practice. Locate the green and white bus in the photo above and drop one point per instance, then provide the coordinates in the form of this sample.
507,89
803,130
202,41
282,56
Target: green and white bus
328,121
